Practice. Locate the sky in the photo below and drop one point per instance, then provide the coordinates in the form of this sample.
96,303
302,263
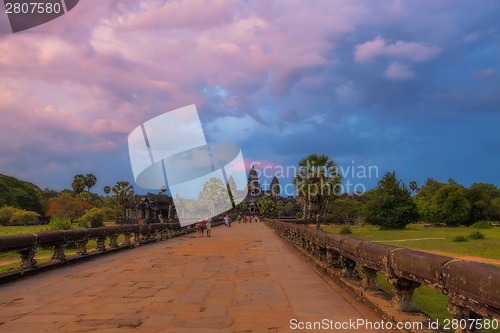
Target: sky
405,86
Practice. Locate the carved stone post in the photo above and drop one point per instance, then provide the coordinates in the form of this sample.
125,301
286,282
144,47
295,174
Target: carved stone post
333,258
137,238
322,252
369,281
59,252
28,258
348,268
463,314
113,241
100,244
81,247
126,241
403,293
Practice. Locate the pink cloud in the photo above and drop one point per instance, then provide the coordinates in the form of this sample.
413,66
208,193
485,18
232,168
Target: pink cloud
399,71
409,51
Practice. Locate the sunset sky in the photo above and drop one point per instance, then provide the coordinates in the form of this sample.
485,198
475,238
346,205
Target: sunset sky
405,86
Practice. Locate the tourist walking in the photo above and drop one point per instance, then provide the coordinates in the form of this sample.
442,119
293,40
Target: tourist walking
208,226
201,228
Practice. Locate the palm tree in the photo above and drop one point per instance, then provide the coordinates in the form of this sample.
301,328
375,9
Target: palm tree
317,182
124,192
107,189
413,186
90,180
78,184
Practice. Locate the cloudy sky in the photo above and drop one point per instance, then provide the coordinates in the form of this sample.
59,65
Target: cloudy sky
405,86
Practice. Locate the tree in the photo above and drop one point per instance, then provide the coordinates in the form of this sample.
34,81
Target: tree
347,210
288,209
123,193
481,198
425,200
413,186
317,182
451,205
390,205
280,207
214,196
66,206
90,180
78,184
266,206
19,194
107,190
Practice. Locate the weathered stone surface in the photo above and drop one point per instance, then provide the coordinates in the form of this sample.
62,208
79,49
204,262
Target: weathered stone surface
473,285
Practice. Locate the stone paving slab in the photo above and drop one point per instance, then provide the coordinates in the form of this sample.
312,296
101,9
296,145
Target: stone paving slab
243,279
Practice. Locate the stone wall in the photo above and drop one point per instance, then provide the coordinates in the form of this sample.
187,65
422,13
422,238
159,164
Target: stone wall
472,289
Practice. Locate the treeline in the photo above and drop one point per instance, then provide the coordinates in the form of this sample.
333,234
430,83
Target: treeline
392,206
23,203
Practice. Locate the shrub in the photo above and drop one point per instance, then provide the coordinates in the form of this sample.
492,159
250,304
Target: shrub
476,235
345,230
481,225
6,214
22,216
94,217
460,239
81,223
60,223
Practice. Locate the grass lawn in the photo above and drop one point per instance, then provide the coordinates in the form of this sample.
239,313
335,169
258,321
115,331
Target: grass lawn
432,239
418,237
12,260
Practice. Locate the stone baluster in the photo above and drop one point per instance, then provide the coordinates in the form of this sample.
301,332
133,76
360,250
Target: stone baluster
369,279
464,315
81,247
28,258
59,252
100,243
113,241
126,241
403,293
348,268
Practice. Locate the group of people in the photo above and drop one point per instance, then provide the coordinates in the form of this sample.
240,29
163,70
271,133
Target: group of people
248,219
206,224
203,225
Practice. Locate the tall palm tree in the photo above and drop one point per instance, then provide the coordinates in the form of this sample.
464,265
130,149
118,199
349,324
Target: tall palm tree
90,180
317,182
413,186
107,189
78,184
124,192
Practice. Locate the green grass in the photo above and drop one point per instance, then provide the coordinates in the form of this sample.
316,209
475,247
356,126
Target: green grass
489,247
429,301
12,260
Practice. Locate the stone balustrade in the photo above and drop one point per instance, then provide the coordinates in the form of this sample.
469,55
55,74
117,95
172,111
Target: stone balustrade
472,289
106,239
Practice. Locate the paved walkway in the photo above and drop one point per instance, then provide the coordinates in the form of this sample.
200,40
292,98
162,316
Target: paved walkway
243,279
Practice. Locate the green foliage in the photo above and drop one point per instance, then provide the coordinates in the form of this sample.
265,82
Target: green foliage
60,223
94,217
476,235
459,239
267,207
6,214
346,210
81,223
424,200
451,205
23,217
214,195
78,183
90,180
481,197
92,199
123,193
390,205
317,182
345,230
19,194
481,225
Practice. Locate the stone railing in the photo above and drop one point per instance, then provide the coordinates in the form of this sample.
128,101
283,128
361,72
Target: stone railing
472,289
106,239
